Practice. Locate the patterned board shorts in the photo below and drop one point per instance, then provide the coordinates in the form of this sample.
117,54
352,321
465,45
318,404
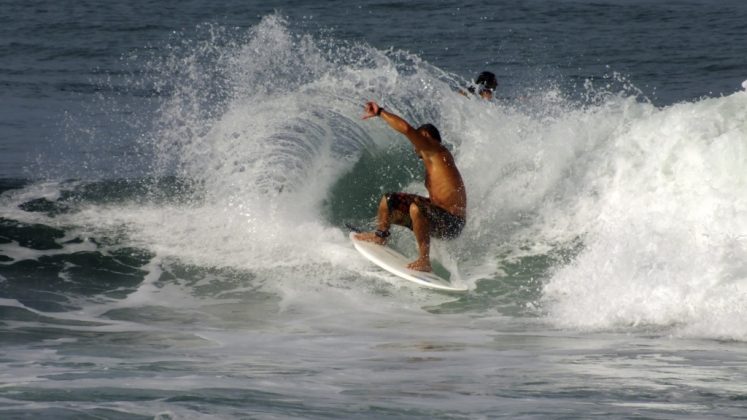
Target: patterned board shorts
443,224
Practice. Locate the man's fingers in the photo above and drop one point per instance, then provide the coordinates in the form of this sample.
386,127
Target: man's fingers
370,109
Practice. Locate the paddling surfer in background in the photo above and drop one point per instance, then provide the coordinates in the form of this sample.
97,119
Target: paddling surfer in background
443,213
484,87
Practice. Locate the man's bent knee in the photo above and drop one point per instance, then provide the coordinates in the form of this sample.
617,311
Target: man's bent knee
419,216
415,211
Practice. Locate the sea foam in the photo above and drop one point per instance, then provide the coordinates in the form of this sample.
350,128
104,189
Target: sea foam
665,230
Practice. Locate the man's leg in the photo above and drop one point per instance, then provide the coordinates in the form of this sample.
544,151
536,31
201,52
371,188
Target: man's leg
421,229
385,217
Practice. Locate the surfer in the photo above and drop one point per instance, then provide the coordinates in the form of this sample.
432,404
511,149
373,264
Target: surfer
443,213
484,86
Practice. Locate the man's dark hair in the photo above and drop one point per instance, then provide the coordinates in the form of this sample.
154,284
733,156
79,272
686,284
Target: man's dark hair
432,131
486,80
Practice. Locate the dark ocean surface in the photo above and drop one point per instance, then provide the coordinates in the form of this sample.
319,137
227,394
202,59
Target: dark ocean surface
175,178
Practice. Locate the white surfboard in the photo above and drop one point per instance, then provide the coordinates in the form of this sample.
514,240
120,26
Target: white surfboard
396,263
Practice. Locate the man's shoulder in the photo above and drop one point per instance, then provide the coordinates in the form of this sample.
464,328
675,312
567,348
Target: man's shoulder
444,151
441,154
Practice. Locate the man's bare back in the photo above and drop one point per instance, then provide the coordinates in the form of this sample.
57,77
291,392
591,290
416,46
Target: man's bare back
444,182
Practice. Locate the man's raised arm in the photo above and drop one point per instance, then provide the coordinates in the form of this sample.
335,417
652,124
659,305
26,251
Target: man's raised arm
372,109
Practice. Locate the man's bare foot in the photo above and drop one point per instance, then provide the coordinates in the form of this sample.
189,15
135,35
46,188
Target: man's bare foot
370,237
421,264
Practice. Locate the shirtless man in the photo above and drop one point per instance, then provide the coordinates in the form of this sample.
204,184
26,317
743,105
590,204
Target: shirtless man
443,213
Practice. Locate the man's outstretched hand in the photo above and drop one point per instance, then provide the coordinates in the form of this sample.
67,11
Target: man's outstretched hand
371,110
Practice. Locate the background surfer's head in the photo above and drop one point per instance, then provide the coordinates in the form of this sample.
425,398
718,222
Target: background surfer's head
486,83
431,131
